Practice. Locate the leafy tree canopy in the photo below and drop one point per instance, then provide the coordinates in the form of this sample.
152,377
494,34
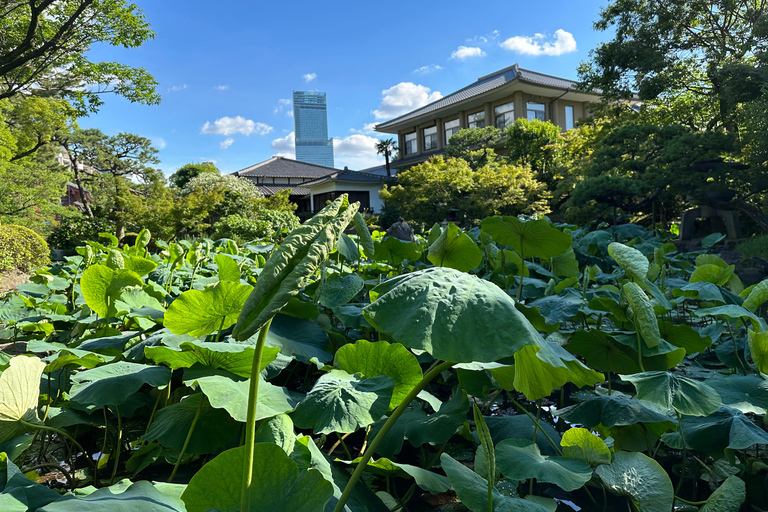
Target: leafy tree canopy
44,50
188,171
474,145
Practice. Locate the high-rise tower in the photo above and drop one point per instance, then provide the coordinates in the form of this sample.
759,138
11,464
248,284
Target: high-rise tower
310,122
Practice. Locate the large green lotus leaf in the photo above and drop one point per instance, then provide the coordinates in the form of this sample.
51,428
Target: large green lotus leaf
630,259
137,299
472,490
661,357
19,393
340,289
427,480
731,311
102,286
667,389
615,411
725,428
645,318
342,402
63,356
141,496
711,273
228,268
451,315
520,459
364,235
396,251
277,485
684,336
747,393
292,265
277,430
580,443
348,248
558,308
455,249
299,338
139,265
308,456
115,383
520,426
701,290
602,351
758,349
224,391
214,429
565,265
420,428
236,358
539,370
202,312
757,296
639,478
381,358
532,238
728,497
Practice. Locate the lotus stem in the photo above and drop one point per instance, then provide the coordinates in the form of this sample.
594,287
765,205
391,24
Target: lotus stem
361,466
639,350
685,453
186,441
536,422
522,274
119,443
56,430
250,423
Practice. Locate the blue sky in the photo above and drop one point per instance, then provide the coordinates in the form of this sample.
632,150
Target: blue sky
227,69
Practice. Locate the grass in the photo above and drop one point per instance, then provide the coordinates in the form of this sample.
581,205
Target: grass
755,247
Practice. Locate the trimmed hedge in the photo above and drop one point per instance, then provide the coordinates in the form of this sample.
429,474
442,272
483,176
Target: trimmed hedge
22,249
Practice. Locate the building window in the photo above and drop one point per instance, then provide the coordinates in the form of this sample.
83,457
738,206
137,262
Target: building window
411,144
451,127
476,120
536,111
569,117
430,138
505,115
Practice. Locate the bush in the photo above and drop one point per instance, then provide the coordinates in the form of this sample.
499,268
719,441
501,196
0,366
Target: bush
265,224
22,249
755,247
75,231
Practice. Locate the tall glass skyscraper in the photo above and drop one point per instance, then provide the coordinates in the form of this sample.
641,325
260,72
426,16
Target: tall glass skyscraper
310,122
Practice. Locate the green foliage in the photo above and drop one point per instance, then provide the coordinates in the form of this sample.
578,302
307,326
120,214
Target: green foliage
262,224
534,143
187,172
202,312
21,249
755,247
474,145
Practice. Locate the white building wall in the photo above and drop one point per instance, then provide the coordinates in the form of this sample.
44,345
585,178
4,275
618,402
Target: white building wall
331,186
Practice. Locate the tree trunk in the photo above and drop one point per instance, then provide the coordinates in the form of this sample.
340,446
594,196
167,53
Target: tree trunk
386,159
79,182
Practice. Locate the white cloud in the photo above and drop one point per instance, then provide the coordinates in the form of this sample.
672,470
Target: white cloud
467,52
537,45
206,159
356,152
285,146
226,143
177,88
309,77
484,39
283,104
366,129
222,87
404,97
158,142
423,70
231,125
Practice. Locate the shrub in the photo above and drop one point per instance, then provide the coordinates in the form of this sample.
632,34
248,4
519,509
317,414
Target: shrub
21,249
75,231
264,224
755,247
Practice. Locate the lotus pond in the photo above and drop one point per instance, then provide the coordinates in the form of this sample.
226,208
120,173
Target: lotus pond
518,366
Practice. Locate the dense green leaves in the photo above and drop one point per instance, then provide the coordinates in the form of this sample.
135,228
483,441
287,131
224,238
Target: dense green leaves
725,428
113,384
520,459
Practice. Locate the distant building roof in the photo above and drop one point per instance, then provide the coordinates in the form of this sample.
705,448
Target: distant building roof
270,190
349,176
281,167
485,84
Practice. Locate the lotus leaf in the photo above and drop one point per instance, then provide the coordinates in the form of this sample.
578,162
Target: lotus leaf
645,318
639,478
728,497
687,396
630,259
341,402
278,484
233,357
340,289
532,238
115,383
455,249
19,393
580,443
725,428
520,459
103,286
202,312
382,358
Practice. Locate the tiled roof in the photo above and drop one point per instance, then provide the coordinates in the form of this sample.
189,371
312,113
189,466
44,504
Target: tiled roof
483,85
281,167
270,190
347,175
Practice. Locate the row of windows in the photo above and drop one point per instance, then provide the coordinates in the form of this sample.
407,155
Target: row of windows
504,115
